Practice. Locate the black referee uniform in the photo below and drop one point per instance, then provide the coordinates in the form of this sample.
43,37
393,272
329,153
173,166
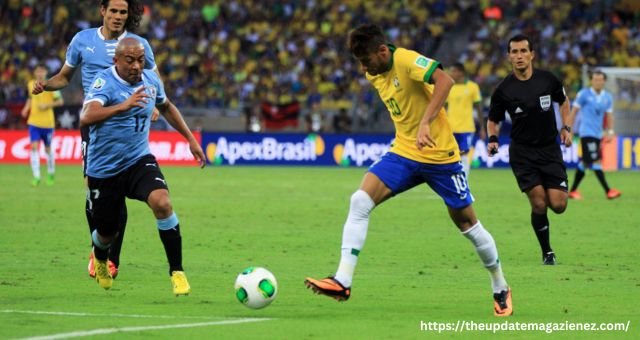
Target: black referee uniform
534,153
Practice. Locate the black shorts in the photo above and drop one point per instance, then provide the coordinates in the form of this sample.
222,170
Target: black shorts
84,135
538,166
106,196
590,150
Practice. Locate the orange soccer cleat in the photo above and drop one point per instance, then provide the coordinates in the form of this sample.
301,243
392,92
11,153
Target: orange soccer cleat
613,193
575,195
330,287
502,303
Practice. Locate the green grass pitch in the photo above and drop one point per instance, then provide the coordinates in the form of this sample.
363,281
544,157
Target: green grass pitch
415,266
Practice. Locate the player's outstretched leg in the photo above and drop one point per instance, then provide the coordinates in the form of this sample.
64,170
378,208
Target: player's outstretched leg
169,230
353,236
487,251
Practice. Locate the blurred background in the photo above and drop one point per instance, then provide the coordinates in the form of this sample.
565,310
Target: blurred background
229,64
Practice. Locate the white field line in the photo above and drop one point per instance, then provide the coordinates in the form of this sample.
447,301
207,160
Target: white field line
12,311
102,331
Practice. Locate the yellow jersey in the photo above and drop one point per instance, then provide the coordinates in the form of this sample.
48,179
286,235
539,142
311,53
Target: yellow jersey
406,92
460,106
42,118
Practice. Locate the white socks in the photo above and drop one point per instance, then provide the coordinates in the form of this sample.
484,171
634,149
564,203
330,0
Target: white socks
354,235
488,253
34,157
51,163
35,163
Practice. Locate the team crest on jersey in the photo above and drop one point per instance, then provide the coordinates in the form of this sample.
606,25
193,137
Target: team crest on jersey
152,91
545,102
422,61
396,82
98,83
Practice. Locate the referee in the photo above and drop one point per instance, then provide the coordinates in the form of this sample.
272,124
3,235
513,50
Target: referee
535,156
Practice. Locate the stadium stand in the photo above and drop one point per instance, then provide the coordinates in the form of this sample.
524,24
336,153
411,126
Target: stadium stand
223,56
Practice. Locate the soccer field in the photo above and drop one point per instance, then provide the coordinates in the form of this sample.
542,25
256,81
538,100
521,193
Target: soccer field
415,267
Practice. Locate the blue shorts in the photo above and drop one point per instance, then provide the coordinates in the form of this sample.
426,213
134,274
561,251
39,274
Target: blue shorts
464,141
401,174
37,133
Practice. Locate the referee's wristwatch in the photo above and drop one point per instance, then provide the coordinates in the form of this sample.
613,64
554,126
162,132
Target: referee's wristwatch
567,127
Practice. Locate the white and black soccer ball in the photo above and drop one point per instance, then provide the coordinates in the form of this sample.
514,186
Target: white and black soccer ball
256,287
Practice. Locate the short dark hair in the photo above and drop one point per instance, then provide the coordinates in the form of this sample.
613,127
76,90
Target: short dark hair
519,37
135,13
598,72
458,66
365,39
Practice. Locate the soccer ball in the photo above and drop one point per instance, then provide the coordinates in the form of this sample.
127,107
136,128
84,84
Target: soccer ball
256,287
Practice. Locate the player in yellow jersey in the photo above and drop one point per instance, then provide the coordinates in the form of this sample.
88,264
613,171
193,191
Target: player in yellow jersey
424,151
463,98
41,123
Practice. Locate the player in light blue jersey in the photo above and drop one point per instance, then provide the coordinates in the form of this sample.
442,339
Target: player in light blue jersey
119,164
92,50
595,104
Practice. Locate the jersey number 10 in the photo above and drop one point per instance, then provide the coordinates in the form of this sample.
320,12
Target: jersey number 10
393,106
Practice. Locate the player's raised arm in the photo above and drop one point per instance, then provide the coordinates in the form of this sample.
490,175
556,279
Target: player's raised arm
174,118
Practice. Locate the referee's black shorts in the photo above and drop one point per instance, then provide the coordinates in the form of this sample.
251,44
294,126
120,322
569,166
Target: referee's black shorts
534,166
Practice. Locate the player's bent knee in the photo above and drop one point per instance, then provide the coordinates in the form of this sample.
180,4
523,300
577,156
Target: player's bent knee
361,202
160,203
163,208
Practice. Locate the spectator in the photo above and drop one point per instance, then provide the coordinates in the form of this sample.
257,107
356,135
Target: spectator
342,122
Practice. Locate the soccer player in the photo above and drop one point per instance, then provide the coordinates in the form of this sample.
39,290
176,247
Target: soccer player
92,50
41,123
118,110
464,96
593,103
534,154
424,151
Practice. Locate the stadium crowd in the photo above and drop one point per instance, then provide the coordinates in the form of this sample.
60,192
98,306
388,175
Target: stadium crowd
236,53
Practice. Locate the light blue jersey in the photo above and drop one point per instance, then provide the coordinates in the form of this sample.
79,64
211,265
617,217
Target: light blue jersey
592,109
93,53
118,142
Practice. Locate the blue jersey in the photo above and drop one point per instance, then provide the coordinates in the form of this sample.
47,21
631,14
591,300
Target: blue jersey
93,53
592,109
118,142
